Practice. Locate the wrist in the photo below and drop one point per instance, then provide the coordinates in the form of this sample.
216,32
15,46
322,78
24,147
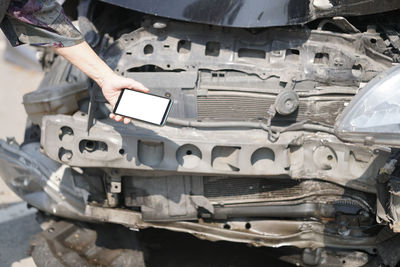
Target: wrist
102,77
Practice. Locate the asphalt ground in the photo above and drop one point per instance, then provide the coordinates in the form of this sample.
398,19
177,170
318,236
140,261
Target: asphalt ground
17,222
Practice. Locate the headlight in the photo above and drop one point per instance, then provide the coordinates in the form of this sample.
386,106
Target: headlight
373,116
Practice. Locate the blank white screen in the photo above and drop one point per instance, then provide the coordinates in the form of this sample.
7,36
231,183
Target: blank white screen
142,106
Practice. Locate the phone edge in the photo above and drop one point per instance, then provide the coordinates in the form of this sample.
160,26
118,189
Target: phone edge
119,99
164,120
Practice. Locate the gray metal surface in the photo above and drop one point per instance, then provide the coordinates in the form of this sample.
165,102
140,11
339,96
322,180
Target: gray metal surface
291,55
60,192
57,94
218,74
233,74
169,150
63,243
238,160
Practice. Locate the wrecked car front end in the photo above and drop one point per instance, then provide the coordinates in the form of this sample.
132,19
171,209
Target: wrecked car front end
249,153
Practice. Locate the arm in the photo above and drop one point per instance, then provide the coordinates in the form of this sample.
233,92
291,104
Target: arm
44,23
85,59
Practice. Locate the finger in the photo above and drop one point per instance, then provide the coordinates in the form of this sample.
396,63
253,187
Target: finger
118,118
127,120
134,85
112,116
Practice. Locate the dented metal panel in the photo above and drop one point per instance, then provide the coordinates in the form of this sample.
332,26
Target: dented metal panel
59,192
249,153
57,94
142,147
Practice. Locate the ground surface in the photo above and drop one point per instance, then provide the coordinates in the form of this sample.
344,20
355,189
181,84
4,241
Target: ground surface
17,223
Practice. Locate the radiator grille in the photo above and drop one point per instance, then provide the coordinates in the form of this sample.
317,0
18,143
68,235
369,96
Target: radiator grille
254,108
216,188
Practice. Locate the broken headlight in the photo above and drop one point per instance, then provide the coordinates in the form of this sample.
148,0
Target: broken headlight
373,116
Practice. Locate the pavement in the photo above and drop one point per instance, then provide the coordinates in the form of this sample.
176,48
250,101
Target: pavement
17,222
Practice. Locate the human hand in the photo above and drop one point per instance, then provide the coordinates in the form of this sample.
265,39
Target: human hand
85,59
112,86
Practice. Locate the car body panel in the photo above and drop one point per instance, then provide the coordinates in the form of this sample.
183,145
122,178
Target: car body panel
255,13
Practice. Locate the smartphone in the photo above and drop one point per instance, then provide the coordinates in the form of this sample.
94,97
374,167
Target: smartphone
143,106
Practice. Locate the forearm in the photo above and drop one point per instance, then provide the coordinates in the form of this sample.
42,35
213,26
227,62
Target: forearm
85,59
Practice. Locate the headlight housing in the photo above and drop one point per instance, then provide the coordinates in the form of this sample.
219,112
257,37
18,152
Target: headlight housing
373,116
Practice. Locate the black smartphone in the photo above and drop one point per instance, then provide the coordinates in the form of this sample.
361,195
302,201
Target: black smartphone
143,106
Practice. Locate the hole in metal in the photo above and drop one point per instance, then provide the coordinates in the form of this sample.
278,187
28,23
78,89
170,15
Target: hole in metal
251,53
148,49
92,146
356,70
150,153
212,49
263,158
321,58
64,154
292,55
188,156
225,158
184,46
66,134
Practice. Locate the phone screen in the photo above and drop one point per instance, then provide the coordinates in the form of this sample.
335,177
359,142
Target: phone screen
143,106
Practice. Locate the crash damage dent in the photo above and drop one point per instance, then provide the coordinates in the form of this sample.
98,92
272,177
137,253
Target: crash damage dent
173,150
40,181
52,187
232,163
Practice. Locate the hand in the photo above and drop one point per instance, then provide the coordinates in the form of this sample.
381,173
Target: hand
111,87
85,59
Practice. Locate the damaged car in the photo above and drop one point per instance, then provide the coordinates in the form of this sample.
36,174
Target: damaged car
283,131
